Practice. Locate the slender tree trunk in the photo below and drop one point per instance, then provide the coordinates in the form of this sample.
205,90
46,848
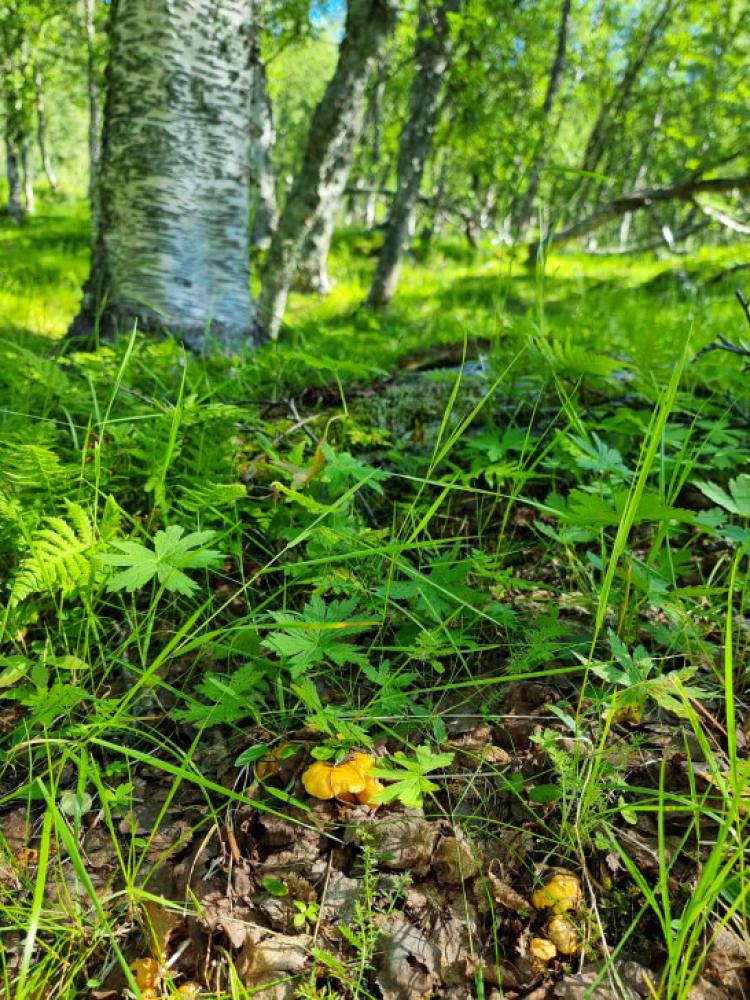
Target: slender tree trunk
641,176
610,115
41,128
15,207
15,138
171,249
28,178
335,127
312,274
554,81
375,114
262,140
432,55
94,134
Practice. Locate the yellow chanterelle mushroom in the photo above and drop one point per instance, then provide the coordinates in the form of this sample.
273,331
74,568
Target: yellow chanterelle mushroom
563,934
560,893
349,781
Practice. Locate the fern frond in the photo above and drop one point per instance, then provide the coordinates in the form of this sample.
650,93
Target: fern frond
61,556
28,465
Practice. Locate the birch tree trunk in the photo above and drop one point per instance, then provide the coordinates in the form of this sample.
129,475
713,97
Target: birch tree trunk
28,178
312,272
375,115
432,56
612,111
554,80
41,129
335,127
94,131
641,176
14,209
172,244
262,140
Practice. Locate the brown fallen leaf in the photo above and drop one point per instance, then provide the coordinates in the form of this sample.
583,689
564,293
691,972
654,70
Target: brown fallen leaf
267,957
727,962
403,841
455,860
505,895
407,961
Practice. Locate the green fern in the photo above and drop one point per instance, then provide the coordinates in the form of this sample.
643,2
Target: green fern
61,555
28,465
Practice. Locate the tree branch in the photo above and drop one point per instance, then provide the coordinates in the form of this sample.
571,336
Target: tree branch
644,198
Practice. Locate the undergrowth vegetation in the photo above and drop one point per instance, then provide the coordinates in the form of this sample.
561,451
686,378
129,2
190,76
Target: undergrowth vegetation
522,582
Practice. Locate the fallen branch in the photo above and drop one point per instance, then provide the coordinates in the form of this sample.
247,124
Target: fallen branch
644,198
654,244
722,218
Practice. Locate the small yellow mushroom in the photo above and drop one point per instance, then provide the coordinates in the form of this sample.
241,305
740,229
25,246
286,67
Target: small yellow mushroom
317,780
368,793
542,949
563,934
346,781
147,973
189,989
560,894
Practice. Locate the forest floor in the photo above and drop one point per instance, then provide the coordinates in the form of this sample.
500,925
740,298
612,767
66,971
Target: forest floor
480,562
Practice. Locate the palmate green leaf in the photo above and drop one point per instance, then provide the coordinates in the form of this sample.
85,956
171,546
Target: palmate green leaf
227,698
593,510
320,634
173,552
408,781
737,503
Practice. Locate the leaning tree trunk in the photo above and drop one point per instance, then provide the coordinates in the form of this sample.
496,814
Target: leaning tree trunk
312,271
41,129
432,54
172,246
525,209
14,209
335,127
262,140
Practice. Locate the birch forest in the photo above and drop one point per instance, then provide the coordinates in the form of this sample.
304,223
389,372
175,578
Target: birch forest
374,499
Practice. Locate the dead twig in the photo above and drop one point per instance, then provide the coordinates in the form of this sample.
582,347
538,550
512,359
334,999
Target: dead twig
723,343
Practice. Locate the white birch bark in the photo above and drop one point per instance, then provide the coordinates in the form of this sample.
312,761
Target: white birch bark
336,125
432,58
41,129
29,199
262,140
94,131
14,208
312,271
172,247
